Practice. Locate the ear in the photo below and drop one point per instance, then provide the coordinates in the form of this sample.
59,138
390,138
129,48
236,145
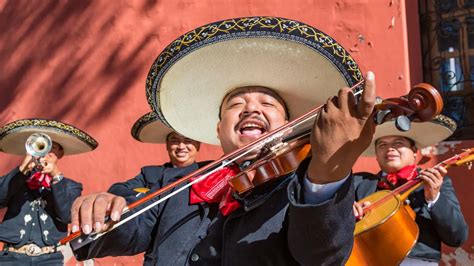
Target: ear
218,129
198,145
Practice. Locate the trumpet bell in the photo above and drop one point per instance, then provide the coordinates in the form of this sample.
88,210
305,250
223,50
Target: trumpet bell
38,145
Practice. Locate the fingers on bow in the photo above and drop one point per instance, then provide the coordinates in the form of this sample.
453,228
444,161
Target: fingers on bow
89,212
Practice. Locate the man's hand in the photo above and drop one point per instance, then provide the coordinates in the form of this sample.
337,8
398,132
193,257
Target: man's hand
358,209
49,163
27,165
433,178
341,133
91,210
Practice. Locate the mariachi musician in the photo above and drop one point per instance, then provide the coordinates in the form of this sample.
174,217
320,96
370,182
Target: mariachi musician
247,77
182,153
36,193
438,213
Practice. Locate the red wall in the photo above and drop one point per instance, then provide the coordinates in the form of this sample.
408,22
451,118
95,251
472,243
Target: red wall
85,63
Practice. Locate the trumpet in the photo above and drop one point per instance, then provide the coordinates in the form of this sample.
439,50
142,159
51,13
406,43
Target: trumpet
38,145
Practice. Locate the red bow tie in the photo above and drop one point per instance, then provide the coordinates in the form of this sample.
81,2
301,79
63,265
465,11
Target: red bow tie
215,188
397,179
38,180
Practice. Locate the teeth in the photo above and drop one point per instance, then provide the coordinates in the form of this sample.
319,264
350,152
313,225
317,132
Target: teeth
250,125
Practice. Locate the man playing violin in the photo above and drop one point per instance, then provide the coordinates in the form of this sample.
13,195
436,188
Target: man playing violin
304,217
438,213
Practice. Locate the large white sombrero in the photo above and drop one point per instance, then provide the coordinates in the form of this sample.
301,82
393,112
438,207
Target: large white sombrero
73,140
150,129
424,134
189,79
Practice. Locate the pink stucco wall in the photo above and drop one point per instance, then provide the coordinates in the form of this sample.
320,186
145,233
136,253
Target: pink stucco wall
85,63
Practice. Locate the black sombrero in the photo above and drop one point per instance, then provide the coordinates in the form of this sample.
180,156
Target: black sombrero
150,129
424,134
189,79
73,140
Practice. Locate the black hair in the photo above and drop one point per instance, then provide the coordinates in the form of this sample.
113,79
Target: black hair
273,93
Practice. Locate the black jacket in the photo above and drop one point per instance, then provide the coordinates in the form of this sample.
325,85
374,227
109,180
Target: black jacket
151,176
34,216
275,227
443,223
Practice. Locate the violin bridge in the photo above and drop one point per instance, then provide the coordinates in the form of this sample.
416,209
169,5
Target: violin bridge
270,145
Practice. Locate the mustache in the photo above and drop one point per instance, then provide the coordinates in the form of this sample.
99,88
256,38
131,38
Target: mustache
253,119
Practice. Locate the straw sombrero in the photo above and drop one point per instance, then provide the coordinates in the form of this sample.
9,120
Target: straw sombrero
150,129
189,79
424,134
73,140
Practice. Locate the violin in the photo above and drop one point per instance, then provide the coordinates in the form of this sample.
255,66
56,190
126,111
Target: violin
280,152
421,104
387,232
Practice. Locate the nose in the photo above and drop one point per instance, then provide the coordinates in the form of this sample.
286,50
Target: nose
181,145
251,108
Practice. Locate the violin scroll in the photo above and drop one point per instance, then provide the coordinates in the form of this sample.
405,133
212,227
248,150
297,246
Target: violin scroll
426,101
422,103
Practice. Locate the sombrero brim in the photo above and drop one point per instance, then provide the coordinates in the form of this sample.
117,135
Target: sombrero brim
150,129
424,134
73,140
189,79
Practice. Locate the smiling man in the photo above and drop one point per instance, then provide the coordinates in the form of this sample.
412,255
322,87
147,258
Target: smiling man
240,119
182,153
181,150
438,213
247,77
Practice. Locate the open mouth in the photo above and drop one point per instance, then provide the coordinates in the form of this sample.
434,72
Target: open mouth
253,128
181,153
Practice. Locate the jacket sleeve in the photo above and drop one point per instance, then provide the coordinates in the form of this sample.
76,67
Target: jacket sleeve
447,217
320,234
125,189
9,184
64,193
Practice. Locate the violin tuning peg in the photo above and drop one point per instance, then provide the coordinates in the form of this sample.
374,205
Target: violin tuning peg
381,115
378,100
403,123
